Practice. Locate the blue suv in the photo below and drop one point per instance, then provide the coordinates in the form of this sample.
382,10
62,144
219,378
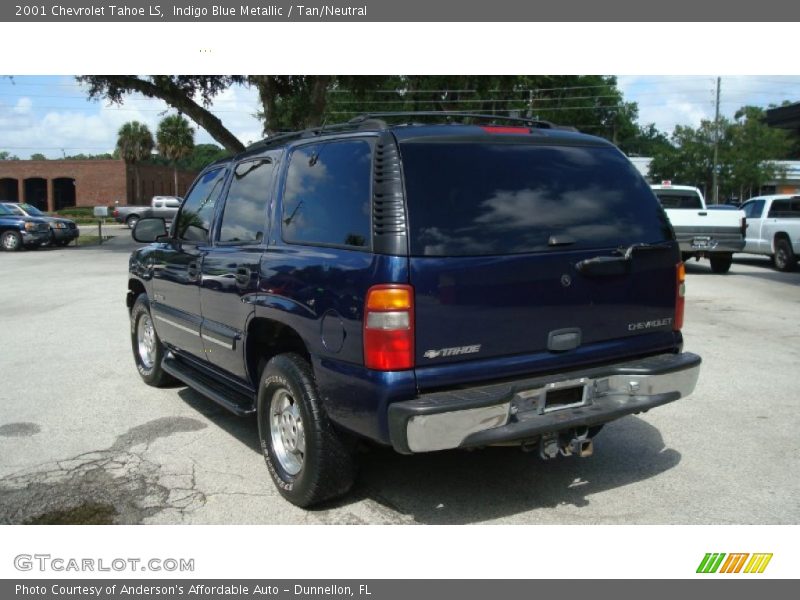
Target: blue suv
424,286
20,231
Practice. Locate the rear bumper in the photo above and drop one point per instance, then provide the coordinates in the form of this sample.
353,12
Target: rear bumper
517,411
709,239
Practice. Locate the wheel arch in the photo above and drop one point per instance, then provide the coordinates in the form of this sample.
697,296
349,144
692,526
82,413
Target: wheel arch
135,287
266,338
780,235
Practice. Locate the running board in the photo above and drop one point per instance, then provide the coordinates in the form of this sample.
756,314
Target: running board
238,403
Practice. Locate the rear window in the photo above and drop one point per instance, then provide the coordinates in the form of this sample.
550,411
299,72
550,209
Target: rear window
679,199
470,199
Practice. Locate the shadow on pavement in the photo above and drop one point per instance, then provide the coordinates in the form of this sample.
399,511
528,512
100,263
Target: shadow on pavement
766,271
460,487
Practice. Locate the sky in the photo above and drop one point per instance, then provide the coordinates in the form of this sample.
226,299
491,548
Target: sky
52,115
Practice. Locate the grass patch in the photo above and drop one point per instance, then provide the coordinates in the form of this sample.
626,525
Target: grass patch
85,514
82,215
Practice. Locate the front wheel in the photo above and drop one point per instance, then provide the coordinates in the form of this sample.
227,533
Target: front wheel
11,241
784,259
308,459
721,263
147,348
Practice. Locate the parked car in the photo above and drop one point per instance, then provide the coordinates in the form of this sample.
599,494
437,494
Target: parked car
426,287
62,231
701,234
20,231
164,207
774,229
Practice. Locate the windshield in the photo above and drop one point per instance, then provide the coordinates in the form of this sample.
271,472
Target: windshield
474,199
13,209
32,210
678,199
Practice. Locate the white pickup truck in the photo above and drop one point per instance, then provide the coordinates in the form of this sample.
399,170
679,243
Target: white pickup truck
714,234
773,228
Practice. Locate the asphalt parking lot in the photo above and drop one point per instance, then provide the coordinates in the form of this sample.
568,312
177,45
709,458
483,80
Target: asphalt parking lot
81,435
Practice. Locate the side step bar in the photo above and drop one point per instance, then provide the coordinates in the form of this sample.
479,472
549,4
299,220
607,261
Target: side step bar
238,403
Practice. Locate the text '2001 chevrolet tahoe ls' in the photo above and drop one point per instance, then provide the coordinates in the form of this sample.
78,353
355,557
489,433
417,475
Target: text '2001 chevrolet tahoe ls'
423,286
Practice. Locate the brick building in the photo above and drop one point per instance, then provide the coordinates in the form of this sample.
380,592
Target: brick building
55,184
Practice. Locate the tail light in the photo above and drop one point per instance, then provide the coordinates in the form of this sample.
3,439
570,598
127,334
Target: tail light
680,296
389,328
116,212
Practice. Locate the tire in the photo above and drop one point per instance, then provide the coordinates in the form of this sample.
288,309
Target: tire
63,243
131,221
721,263
308,459
148,351
784,258
686,256
11,241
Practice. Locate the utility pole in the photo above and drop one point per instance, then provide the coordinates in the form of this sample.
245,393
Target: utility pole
715,183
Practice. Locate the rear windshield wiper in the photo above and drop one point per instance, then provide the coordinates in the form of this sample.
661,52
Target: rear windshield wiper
627,253
617,265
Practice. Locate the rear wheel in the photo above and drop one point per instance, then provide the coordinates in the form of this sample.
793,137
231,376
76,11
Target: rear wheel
11,241
721,263
147,348
308,458
132,221
784,259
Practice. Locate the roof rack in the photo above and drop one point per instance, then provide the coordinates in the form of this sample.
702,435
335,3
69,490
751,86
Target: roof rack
376,120
450,115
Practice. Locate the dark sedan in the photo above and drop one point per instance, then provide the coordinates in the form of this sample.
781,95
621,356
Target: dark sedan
62,231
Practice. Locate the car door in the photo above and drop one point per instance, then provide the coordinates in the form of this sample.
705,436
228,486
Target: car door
230,270
753,210
176,279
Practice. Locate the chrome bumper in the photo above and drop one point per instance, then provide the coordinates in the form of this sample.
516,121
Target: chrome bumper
519,411
717,239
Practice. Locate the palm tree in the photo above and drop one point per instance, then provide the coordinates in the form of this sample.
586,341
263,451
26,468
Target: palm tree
135,144
175,141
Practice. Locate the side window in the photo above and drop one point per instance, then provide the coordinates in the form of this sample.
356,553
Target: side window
752,210
780,209
194,219
244,218
327,195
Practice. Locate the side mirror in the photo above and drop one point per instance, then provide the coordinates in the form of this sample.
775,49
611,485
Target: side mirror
149,230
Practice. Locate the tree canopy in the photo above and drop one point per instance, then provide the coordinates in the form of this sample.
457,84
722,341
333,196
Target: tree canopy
746,151
592,103
134,142
175,140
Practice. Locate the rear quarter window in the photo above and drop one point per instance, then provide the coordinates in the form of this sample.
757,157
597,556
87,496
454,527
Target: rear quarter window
785,209
474,199
327,195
